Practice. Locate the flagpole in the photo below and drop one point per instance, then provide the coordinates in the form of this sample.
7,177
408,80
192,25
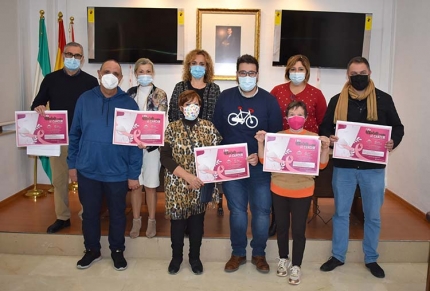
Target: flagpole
35,193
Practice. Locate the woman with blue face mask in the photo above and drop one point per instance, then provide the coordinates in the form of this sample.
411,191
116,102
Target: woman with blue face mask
198,73
149,98
297,73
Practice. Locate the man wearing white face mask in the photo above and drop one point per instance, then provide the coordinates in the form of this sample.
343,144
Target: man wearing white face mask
239,113
62,89
100,167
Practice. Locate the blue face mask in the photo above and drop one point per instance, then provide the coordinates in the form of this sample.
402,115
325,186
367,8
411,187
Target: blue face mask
247,83
297,78
197,71
72,64
144,80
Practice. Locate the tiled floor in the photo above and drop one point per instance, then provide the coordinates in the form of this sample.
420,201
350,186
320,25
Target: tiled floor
49,273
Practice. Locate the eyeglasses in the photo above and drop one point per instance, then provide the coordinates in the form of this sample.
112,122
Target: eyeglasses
252,74
76,56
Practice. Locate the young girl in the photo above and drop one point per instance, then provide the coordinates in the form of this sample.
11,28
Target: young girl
292,196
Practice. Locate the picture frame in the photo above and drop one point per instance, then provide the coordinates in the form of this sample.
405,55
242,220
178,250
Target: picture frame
227,34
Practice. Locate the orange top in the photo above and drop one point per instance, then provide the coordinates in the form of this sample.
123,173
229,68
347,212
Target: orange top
291,185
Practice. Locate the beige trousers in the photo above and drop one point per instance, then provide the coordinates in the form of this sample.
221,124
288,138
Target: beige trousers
60,180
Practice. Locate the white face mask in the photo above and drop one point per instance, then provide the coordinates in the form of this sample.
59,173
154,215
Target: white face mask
109,81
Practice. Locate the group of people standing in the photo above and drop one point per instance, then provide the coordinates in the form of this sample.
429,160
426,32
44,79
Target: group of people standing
198,116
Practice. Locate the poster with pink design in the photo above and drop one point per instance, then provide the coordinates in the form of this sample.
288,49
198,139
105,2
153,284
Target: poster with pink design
132,127
362,142
35,129
292,154
222,163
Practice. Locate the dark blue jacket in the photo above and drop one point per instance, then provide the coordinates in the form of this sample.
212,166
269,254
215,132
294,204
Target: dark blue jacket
91,151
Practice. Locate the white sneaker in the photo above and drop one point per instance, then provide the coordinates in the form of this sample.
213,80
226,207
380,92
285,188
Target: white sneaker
283,266
295,274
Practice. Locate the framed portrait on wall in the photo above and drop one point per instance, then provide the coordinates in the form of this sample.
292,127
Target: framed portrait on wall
227,34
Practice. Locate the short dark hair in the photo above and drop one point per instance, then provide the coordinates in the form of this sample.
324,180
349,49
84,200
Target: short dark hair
358,60
188,95
246,59
296,104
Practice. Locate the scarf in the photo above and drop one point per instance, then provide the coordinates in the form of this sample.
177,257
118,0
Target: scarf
341,111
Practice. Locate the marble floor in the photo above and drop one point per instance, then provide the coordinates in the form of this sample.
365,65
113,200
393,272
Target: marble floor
49,273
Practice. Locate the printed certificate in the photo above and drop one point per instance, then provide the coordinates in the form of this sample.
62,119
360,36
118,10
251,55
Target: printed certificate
292,154
132,127
362,142
35,129
222,163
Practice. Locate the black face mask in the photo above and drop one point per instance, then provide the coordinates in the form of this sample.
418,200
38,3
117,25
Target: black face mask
359,82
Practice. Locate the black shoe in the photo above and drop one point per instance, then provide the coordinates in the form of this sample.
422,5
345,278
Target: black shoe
119,262
376,270
331,264
174,266
196,266
272,228
58,225
88,259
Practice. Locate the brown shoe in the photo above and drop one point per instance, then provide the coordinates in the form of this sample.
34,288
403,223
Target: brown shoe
234,263
261,264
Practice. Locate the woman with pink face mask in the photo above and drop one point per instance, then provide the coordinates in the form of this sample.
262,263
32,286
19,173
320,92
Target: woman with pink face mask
292,196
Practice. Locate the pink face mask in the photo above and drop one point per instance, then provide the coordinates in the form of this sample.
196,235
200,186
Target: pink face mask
296,122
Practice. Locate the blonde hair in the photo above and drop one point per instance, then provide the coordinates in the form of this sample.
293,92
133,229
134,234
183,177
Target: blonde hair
143,61
209,73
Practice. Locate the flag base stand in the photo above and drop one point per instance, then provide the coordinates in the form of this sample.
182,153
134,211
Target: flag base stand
35,193
51,190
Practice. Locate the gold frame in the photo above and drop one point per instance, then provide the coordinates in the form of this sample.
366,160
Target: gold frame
239,12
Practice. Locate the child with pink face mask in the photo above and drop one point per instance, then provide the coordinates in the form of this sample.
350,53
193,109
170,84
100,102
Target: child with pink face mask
292,195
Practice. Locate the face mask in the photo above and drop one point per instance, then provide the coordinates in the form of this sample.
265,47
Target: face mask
297,78
191,112
296,122
109,81
197,71
247,83
72,64
359,82
144,80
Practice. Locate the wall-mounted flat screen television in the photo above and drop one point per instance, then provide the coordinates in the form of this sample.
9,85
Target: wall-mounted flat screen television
328,39
127,34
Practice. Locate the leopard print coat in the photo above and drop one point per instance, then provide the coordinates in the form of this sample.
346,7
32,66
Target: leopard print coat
182,202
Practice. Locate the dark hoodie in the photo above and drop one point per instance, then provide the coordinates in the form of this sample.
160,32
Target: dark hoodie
91,151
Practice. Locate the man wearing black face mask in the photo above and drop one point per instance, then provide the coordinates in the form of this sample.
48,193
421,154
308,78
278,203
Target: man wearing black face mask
361,102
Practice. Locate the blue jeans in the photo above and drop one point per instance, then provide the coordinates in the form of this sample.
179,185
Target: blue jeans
372,188
91,194
255,191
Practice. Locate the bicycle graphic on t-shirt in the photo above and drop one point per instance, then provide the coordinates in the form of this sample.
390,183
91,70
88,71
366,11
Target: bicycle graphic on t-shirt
242,117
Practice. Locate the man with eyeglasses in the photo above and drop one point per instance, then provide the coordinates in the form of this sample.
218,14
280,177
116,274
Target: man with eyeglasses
62,89
239,113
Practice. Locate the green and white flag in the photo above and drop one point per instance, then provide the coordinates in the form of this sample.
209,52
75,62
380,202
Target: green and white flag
43,67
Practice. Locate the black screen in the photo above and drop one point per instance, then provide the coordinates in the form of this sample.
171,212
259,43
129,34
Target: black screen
328,39
127,34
